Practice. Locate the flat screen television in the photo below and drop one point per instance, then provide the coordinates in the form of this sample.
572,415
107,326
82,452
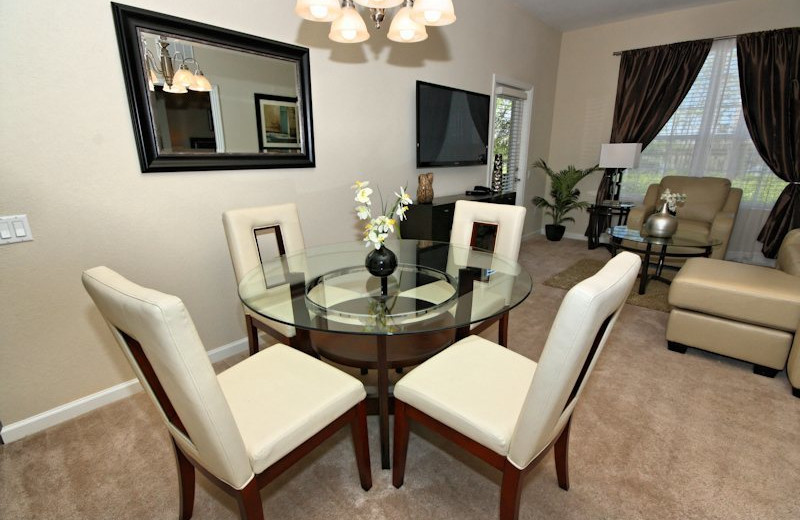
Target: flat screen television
452,126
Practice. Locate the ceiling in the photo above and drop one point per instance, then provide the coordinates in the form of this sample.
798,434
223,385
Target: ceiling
575,14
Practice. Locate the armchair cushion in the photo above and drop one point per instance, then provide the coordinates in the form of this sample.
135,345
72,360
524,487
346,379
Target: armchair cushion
705,196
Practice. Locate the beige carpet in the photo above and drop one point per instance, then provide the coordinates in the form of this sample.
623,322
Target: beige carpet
657,435
655,296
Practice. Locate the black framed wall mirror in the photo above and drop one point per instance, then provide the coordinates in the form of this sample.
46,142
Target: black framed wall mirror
207,98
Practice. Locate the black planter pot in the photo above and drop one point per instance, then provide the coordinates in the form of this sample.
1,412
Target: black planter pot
554,232
381,262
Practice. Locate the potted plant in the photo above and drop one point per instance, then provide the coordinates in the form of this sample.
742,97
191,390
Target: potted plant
564,194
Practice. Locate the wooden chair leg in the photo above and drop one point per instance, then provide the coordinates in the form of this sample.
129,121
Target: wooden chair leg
249,501
510,492
502,330
185,483
561,451
358,427
252,334
401,432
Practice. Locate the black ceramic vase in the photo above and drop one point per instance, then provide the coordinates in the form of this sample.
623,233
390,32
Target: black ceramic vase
381,262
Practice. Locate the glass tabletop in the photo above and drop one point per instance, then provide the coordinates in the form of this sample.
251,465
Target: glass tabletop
615,204
677,240
436,286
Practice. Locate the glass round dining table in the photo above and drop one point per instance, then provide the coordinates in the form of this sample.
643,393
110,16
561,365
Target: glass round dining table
341,312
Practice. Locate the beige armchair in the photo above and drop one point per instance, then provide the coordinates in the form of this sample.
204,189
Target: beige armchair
505,408
709,211
243,427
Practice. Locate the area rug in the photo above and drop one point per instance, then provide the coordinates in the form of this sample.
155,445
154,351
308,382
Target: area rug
655,297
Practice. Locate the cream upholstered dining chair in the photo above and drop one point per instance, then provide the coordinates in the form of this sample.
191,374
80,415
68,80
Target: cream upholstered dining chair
255,235
243,427
505,408
496,227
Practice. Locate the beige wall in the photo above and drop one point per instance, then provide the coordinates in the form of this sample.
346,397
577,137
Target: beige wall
70,164
587,72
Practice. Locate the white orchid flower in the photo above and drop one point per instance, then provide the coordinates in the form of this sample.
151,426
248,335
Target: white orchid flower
362,196
360,184
363,212
401,212
403,198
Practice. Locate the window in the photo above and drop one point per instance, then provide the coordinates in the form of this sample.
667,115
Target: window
510,138
707,136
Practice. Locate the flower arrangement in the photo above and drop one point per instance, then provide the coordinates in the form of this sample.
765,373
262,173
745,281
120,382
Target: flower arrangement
672,199
378,228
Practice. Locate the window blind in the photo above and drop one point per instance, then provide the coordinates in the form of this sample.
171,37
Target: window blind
509,105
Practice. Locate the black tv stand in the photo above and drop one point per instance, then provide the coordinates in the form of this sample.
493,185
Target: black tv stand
433,221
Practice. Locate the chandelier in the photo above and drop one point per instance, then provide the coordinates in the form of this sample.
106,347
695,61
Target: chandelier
408,24
175,81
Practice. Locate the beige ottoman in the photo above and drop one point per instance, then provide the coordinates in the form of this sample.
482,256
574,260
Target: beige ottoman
743,311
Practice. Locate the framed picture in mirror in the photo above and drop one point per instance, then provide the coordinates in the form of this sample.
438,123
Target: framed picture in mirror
277,123
190,88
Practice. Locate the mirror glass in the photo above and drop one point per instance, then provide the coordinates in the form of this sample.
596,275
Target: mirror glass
205,98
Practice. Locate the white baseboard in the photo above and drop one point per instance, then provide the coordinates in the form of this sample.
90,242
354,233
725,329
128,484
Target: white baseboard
17,430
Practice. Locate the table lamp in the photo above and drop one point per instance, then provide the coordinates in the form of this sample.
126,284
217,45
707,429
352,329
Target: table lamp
619,156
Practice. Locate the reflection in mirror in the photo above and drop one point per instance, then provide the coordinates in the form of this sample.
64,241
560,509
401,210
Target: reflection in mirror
205,98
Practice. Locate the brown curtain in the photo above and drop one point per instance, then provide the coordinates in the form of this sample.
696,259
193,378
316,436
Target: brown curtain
769,75
651,86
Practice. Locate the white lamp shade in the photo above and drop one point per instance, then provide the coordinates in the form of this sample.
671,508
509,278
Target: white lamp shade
406,30
200,83
349,27
620,155
433,12
183,77
379,4
318,10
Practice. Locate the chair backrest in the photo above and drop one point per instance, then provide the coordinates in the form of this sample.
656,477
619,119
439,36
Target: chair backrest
579,332
242,229
159,340
705,196
507,220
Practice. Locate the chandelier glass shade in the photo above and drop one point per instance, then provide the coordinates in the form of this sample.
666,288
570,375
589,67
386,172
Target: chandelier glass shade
174,82
408,24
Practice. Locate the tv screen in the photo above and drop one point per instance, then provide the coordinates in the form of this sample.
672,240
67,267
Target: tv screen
452,126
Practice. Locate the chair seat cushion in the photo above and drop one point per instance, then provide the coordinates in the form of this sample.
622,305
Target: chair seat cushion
281,397
462,386
747,293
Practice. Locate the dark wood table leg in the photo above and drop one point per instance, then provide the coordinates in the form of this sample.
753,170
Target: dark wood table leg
661,257
383,401
503,330
594,233
645,268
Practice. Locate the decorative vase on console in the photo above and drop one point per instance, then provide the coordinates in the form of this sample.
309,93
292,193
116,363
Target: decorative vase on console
425,188
497,173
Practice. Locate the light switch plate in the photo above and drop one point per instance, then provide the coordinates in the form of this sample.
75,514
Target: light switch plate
14,229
